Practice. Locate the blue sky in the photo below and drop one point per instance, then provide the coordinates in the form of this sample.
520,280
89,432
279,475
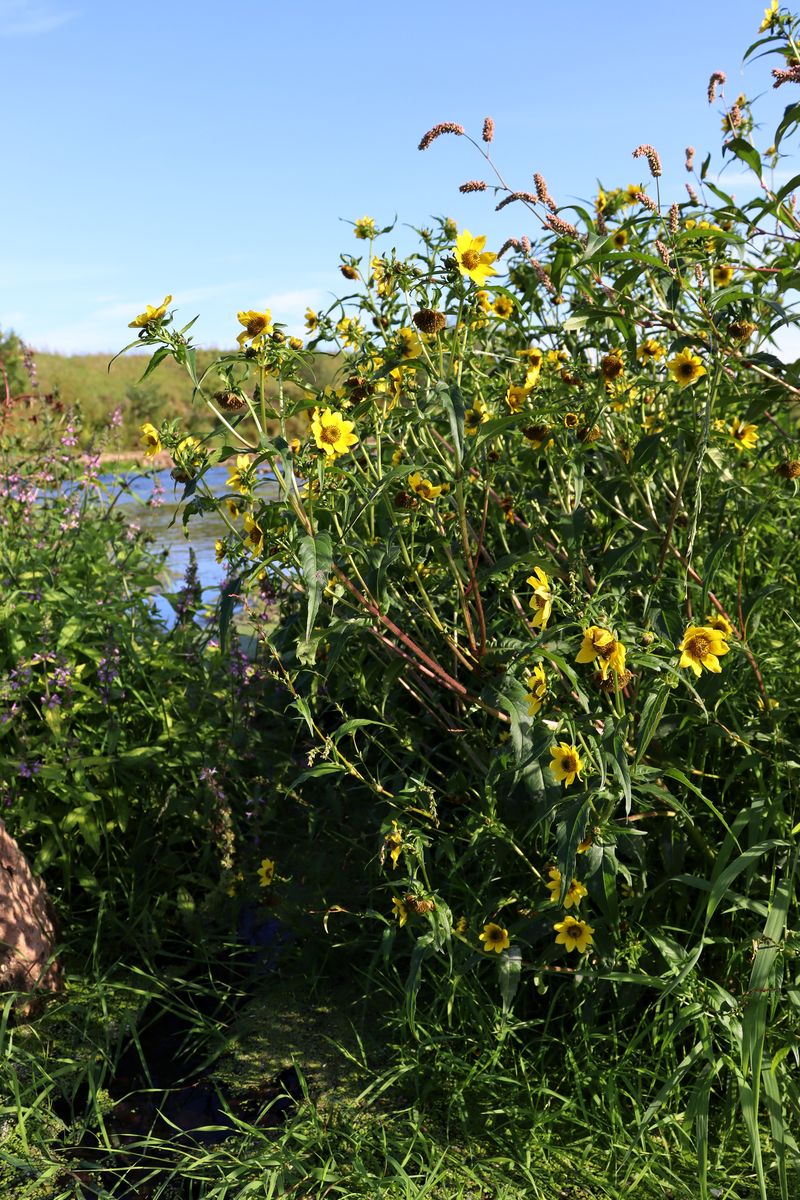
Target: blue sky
215,151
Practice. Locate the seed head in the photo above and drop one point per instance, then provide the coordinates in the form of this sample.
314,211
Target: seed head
674,215
528,197
438,130
561,227
692,194
790,76
663,251
542,275
651,154
488,129
789,469
429,321
230,401
648,203
718,77
507,245
348,271
473,185
589,433
542,192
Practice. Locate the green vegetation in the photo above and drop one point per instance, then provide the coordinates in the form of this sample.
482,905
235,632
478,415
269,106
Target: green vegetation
476,876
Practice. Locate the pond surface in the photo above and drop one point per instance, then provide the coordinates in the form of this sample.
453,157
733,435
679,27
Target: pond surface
153,502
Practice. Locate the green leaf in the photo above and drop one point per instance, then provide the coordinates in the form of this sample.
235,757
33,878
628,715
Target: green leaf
316,556
652,712
159,356
746,152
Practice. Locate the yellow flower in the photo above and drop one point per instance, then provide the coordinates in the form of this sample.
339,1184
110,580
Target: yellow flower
219,550
312,320
395,841
350,330
770,17
619,239
473,261
531,378
567,764
650,351
256,325
484,300
364,228
534,356
475,417
535,435
722,274
515,398
409,344
701,647
601,201
686,368
575,892
542,599
424,488
599,643
537,690
572,420
400,911
240,480
631,194
254,535
151,316
232,507
721,624
332,433
150,440
266,872
575,935
461,926
494,937
744,436
504,307
295,343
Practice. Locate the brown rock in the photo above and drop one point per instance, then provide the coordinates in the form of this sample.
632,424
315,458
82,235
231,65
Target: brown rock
27,925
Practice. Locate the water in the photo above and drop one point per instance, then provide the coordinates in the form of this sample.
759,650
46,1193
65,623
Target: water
164,521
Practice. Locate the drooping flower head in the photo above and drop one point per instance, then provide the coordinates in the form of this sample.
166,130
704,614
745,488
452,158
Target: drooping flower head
400,911
600,644
266,872
150,440
575,935
567,763
575,892
721,624
701,647
241,478
424,488
256,326
537,690
494,937
542,599
332,433
473,261
150,316
254,535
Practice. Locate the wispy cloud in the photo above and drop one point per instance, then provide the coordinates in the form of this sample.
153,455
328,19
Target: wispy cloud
21,18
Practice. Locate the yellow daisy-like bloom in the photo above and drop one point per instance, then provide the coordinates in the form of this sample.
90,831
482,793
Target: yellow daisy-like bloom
254,535
744,436
232,507
650,351
312,320
503,307
619,239
542,599
266,872
461,926
332,433
532,378
241,479
408,343
567,763
721,624
350,330
424,488
395,841
770,17
575,935
475,417
256,325
601,201
575,892
631,194
599,643
494,937
400,911
484,300
150,440
722,274
686,368
150,316
219,550
295,343
537,690
364,228
533,354
701,647
515,398
473,261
